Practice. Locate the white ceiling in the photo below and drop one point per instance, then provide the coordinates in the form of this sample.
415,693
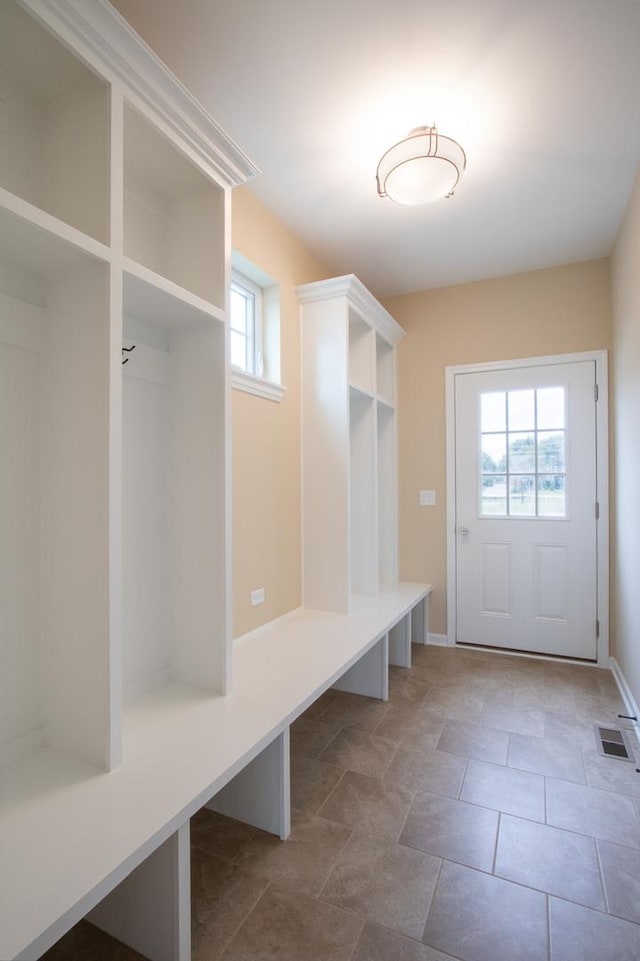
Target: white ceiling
544,96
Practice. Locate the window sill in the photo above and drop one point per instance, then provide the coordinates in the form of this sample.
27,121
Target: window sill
241,380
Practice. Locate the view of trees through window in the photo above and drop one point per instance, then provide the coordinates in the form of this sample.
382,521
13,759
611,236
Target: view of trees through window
523,465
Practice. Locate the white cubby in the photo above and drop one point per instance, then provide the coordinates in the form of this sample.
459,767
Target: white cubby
91,608
362,495
174,606
348,443
173,212
54,126
54,565
385,370
360,353
387,496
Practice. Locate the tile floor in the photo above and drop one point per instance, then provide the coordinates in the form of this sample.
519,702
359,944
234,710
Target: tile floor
469,819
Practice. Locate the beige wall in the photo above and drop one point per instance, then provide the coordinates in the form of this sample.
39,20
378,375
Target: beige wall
266,435
559,310
625,283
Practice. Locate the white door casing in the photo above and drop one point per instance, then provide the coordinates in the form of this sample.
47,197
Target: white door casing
527,564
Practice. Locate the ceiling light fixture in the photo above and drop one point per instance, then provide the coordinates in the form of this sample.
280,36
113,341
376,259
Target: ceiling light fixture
423,167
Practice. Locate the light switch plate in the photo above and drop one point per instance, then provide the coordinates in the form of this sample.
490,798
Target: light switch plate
257,597
427,498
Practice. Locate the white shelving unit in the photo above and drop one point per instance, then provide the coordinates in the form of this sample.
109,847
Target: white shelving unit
115,195
349,443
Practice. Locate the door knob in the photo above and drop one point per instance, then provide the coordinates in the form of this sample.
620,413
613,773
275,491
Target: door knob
463,530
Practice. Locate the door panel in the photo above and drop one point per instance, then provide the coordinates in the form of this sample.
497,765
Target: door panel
525,509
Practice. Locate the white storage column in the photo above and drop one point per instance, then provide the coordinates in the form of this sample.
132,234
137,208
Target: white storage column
349,460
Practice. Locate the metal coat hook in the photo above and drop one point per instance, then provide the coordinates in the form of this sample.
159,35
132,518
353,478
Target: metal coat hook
127,350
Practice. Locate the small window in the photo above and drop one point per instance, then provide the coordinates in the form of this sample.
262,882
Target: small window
254,330
246,325
523,469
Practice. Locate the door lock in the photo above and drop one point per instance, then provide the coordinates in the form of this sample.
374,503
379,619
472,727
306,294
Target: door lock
463,530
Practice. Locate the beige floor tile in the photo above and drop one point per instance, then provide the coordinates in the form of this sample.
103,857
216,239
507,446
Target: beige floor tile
477,917
219,835
548,757
222,896
504,789
353,709
567,729
384,882
418,727
312,782
320,704
612,774
427,770
409,693
85,942
310,735
474,740
580,934
369,804
510,718
452,829
356,750
549,859
380,944
456,705
593,812
288,926
621,873
304,860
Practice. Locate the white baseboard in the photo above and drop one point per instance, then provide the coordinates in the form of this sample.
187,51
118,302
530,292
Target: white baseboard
438,640
626,693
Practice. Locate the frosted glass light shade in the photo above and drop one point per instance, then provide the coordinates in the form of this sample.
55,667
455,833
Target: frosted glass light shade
422,168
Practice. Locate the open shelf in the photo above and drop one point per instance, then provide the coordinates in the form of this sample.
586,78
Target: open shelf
174,555
54,118
174,218
362,497
385,373
387,496
360,353
54,566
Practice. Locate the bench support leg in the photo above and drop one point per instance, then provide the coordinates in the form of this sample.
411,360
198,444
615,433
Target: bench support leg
420,622
260,793
151,909
400,643
370,675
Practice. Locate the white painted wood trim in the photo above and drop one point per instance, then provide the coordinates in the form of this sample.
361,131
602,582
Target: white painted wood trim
600,358
259,386
95,28
626,693
438,640
361,299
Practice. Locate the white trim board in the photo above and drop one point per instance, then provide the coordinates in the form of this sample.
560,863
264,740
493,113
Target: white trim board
626,694
600,358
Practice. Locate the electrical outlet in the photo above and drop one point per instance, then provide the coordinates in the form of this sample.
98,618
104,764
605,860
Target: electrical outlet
427,498
257,597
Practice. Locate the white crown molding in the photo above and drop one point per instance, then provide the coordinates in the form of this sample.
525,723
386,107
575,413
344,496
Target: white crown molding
360,298
95,27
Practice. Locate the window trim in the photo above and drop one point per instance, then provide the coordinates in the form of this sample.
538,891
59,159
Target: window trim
266,320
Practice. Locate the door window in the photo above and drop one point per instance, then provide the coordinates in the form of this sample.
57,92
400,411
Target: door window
522,453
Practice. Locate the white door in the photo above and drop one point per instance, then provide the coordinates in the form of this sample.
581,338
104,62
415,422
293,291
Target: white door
526,530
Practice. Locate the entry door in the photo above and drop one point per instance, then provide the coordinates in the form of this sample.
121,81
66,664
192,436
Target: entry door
526,538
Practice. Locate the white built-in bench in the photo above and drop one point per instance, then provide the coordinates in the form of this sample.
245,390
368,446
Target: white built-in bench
77,842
